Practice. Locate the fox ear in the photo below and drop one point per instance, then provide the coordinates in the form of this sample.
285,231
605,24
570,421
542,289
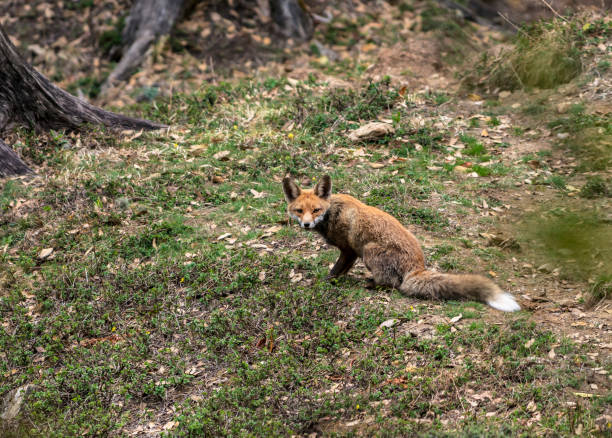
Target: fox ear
292,191
323,187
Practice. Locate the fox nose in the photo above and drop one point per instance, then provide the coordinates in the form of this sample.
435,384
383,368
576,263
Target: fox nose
306,224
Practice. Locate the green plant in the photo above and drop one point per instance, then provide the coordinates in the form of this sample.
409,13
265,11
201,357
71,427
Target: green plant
545,54
595,187
112,38
557,181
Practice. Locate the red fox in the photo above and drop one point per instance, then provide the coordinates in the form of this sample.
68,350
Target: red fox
390,252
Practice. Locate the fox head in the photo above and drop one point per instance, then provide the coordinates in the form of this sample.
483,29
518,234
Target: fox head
308,207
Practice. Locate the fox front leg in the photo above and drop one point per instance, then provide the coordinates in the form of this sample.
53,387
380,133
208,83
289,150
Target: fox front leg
344,264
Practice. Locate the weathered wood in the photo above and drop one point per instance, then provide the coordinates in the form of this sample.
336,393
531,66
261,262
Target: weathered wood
292,19
148,20
28,98
10,163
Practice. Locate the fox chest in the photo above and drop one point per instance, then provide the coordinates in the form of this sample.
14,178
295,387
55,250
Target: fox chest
337,231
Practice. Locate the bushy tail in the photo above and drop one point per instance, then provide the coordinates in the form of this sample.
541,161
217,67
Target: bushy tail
436,285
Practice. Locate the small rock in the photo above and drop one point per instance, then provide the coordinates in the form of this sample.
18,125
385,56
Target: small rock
562,135
504,94
371,131
460,169
13,401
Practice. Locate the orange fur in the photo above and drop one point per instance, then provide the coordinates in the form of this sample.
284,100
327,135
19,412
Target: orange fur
391,252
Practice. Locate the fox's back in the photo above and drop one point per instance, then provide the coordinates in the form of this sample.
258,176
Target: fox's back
354,224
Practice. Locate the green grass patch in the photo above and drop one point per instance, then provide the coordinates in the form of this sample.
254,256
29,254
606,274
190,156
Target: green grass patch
575,239
545,54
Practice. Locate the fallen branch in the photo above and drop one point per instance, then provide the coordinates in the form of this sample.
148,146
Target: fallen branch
553,10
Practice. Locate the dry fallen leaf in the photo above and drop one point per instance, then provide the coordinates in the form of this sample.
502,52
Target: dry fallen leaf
257,194
389,323
456,318
529,343
371,131
273,229
45,253
197,149
216,179
224,236
222,155
170,425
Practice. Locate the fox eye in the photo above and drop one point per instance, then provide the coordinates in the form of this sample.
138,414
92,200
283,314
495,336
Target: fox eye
298,210
316,210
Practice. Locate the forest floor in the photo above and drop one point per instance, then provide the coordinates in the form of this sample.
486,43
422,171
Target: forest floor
151,284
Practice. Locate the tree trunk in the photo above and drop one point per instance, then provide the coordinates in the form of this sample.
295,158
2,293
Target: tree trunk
292,18
29,98
10,163
148,20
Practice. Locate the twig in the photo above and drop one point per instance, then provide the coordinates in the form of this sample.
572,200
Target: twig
512,24
553,11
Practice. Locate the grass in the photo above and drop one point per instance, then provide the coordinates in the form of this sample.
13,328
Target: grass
177,294
545,54
571,236
589,137
595,187
110,38
142,303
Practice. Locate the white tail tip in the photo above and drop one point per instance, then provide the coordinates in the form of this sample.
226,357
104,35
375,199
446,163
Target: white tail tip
505,302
